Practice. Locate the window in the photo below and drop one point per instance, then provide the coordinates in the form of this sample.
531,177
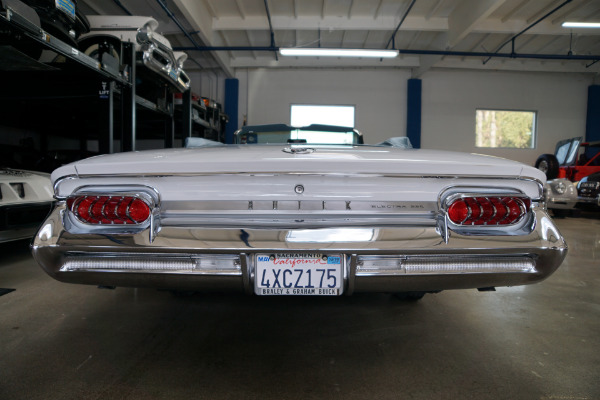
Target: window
503,128
304,115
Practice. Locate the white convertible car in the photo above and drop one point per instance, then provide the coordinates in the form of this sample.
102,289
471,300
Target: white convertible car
283,212
26,199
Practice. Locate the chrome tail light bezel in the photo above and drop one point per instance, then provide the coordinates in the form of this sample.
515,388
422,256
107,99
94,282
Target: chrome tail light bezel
524,225
73,224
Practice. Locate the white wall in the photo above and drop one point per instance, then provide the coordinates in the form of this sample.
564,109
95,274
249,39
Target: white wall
450,98
378,95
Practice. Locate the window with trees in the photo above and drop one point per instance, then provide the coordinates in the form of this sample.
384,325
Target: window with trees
505,128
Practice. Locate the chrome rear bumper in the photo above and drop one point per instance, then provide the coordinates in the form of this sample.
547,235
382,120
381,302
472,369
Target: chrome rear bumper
379,259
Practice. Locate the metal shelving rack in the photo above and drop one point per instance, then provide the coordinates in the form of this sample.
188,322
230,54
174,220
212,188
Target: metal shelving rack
99,96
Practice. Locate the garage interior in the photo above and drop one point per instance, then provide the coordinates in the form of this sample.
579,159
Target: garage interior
454,59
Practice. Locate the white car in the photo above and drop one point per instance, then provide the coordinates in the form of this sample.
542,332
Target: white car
153,49
560,195
26,199
299,211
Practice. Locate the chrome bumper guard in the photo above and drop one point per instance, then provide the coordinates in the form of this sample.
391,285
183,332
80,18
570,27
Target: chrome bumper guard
393,259
161,61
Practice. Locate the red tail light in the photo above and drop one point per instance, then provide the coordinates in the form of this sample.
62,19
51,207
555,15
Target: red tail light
109,210
494,210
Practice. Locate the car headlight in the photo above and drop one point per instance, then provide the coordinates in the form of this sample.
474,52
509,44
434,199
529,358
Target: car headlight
560,187
144,34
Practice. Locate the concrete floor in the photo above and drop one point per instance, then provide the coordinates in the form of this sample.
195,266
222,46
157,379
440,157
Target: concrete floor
61,341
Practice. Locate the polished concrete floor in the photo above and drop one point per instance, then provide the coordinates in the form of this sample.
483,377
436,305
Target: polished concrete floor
61,341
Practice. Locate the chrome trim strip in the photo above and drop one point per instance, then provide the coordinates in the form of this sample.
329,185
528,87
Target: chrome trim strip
314,207
166,175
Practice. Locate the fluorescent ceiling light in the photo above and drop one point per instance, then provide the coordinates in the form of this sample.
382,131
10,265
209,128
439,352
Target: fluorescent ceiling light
581,24
323,52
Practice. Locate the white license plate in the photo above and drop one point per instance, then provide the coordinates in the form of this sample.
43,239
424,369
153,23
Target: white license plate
298,274
66,6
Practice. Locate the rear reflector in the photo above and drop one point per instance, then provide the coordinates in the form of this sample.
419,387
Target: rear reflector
109,210
488,210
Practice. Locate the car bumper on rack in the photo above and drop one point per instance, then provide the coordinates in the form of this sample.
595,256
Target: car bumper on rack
375,259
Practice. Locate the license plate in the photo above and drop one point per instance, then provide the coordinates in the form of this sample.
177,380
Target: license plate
66,6
298,274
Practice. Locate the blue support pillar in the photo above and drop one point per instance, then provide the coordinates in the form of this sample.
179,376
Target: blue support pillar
232,94
592,125
413,112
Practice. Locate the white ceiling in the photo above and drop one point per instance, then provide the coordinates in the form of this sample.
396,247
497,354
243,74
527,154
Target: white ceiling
456,25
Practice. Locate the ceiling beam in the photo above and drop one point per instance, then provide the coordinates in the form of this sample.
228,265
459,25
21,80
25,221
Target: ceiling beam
514,11
568,9
426,62
199,17
478,44
240,7
467,15
434,9
211,9
519,65
377,9
543,11
383,23
350,8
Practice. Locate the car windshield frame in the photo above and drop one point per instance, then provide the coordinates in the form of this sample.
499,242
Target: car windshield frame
566,151
291,135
